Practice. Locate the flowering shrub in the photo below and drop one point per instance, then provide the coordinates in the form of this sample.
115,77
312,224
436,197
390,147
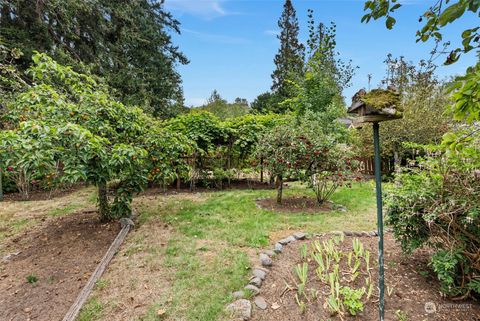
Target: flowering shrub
303,151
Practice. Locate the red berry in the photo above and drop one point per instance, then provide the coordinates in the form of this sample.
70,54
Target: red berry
10,168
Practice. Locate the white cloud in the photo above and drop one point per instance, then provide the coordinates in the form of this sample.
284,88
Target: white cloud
215,38
207,9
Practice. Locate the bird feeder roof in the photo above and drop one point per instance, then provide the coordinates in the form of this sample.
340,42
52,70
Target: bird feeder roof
376,99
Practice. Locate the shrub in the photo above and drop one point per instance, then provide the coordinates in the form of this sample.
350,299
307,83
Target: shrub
438,205
67,124
309,150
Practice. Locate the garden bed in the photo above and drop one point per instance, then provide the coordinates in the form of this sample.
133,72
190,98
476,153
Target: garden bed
411,293
43,269
298,204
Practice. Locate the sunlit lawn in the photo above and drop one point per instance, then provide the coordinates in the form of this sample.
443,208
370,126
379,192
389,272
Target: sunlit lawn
217,235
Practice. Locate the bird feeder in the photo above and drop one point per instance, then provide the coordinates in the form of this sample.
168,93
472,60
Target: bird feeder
374,107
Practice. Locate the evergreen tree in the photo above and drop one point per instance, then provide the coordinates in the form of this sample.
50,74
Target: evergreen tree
290,57
127,42
215,97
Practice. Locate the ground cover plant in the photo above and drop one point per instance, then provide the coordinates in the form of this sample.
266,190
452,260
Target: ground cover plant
335,277
337,270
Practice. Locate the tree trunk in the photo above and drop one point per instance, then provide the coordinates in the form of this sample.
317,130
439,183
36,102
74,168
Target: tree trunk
397,161
261,170
179,181
103,207
279,189
1,186
272,181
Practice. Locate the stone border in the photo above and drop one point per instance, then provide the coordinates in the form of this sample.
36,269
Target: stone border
241,308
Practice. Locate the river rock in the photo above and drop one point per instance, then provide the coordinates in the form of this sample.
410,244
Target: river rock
256,281
265,260
299,236
278,248
261,274
240,309
260,302
252,288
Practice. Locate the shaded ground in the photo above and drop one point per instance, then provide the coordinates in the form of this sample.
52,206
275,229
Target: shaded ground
39,195
302,204
408,279
17,216
57,256
207,186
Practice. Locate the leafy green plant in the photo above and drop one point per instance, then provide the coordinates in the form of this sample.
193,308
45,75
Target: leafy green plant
367,260
446,265
352,299
390,290
334,302
423,207
401,315
357,248
69,121
303,251
300,304
370,286
302,273
32,278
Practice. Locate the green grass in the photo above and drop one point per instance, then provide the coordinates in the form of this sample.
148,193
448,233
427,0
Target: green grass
60,211
234,218
229,223
91,311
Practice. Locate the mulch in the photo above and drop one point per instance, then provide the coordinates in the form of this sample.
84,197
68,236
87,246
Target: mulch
61,253
301,204
405,276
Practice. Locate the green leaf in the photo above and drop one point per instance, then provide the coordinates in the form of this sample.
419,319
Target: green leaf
452,13
390,22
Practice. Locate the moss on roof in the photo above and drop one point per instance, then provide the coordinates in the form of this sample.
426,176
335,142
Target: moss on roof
382,98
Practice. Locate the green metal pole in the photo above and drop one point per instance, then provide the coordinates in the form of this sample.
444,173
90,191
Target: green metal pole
378,182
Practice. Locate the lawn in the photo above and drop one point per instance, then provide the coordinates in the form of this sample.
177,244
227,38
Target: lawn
189,252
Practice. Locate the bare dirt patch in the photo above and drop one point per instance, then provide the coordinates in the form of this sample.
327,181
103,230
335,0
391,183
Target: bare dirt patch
404,276
39,195
60,254
206,186
301,204
136,277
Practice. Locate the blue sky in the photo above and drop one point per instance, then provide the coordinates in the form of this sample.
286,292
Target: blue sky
231,43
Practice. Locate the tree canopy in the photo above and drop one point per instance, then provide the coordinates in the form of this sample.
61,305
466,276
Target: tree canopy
126,42
291,54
